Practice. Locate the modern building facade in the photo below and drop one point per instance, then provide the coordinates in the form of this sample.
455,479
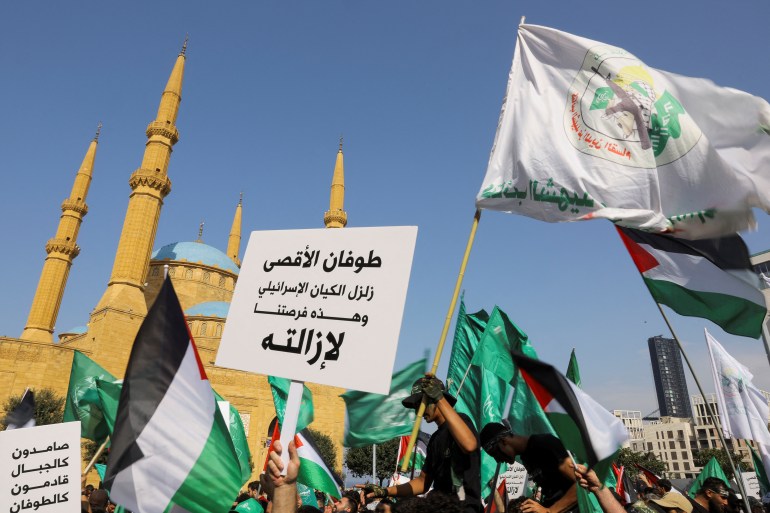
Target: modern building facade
670,382
632,420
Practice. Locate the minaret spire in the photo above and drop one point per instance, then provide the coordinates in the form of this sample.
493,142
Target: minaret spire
336,217
200,233
62,250
150,185
234,241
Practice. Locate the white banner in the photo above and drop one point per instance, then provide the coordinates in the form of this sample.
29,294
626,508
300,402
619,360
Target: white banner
589,131
40,468
743,410
322,306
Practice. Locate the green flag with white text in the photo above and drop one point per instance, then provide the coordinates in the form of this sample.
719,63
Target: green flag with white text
280,389
82,401
238,435
468,330
376,418
712,469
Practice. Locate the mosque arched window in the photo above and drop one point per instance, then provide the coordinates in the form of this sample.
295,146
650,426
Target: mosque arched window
221,281
207,277
155,270
172,272
203,329
188,274
189,326
218,331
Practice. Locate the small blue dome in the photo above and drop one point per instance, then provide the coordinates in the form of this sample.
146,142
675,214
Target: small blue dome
77,330
209,309
196,253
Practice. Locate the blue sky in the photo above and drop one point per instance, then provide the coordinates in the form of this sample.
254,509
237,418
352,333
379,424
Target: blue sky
414,87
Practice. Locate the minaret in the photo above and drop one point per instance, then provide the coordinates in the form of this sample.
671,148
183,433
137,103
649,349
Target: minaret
62,250
234,241
149,185
336,217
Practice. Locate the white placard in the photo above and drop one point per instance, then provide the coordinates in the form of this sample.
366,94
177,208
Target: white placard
40,469
751,484
322,306
515,480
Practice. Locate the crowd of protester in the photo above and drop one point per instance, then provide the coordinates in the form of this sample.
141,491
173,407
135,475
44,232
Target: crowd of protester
449,482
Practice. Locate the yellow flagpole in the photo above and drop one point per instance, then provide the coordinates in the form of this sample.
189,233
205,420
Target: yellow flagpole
442,339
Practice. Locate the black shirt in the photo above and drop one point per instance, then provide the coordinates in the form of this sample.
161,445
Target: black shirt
444,455
542,457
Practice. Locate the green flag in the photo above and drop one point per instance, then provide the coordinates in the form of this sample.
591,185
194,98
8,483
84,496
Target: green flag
573,371
82,402
376,418
759,468
238,435
280,389
712,469
468,330
109,396
492,370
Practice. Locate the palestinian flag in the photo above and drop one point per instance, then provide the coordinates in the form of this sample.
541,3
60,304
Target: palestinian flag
170,444
313,470
23,414
709,278
584,426
421,450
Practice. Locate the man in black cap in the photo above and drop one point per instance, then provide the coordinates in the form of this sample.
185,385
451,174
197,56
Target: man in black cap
546,461
452,463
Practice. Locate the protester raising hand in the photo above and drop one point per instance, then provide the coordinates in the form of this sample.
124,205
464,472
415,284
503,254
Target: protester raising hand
285,487
588,479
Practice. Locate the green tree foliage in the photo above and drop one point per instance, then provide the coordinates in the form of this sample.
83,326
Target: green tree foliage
326,447
49,407
648,460
359,460
89,450
702,456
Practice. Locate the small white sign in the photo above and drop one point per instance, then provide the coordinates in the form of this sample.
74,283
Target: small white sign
40,468
322,306
751,484
515,480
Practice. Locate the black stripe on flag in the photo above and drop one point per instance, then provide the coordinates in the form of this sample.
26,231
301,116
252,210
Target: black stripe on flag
156,356
556,384
725,252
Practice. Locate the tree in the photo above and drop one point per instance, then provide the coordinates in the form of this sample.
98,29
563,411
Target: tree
628,459
49,407
359,460
702,456
326,448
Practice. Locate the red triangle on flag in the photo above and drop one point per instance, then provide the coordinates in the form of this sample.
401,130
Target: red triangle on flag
643,259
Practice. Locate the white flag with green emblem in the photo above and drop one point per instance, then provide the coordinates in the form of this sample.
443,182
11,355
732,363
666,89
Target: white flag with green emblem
589,131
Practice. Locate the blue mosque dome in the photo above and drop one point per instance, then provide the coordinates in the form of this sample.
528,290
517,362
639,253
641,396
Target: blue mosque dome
196,253
209,309
77,330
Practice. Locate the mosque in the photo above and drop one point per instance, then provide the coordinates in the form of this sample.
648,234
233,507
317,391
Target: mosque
204,278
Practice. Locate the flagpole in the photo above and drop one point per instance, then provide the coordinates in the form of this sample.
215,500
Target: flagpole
442,339
766,337
374,464
98,453
710,411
